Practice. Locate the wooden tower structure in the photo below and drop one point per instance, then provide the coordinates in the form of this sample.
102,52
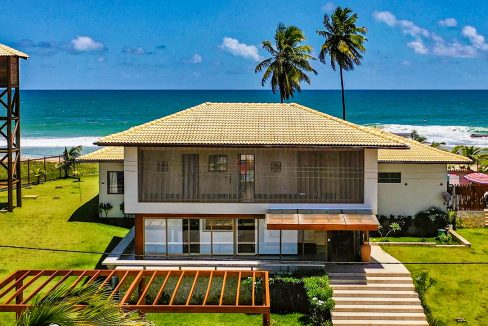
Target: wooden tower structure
10,178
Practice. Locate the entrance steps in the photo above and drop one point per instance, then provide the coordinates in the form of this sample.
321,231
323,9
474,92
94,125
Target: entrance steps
376,295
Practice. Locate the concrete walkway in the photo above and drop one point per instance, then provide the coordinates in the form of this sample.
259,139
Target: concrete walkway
378,293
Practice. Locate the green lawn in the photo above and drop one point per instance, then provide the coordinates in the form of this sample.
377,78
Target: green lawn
60,218
403,239
222,319
461,290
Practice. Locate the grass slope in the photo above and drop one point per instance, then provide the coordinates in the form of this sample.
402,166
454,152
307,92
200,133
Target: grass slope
461,290
44,222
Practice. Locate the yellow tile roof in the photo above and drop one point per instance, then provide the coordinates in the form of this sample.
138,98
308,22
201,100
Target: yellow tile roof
106,154
252,124
7,51
419,153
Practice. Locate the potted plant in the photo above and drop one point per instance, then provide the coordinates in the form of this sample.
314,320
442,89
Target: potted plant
451,217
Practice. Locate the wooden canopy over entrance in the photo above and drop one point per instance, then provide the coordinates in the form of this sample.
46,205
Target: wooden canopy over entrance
331,222
150,291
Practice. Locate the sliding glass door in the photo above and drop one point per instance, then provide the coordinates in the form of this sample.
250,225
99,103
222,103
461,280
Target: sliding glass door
246,236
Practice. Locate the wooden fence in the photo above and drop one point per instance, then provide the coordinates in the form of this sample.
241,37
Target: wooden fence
48,168
468,197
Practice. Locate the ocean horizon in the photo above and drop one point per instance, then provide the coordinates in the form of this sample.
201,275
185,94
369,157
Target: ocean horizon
52,119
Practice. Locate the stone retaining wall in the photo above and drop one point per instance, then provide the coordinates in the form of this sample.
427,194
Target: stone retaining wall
470,219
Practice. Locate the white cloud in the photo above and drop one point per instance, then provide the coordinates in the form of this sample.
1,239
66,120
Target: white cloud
418,47
448,22
426,42
476,39
406,26
328,7
385,17
138,50
101,59
196,58
405,63
237,48
86,44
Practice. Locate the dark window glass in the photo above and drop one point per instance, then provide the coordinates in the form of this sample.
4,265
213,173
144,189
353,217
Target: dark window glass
275,166
115,182
217,163
389,177
162,166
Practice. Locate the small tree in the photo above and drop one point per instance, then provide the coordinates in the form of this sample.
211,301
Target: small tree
393,227
105,208
38,174
69,157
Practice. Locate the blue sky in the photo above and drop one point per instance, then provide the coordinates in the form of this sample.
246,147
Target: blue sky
436,44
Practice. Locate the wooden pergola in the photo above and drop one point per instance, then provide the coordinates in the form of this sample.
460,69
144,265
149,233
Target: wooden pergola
150,291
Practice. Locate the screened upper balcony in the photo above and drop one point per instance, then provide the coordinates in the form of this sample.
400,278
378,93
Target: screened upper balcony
250,175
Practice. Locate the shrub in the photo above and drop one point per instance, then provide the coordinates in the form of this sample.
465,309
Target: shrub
310,295
444,238
320,297
404,221
423,282
428,221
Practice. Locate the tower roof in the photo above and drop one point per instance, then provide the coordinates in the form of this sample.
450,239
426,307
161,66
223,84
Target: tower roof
7,51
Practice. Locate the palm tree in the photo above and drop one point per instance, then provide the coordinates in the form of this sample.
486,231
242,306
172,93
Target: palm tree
69,157
437,144
83,305
288,62
475,154
344,43
415,136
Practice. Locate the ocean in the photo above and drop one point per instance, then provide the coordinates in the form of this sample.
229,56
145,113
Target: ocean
54,119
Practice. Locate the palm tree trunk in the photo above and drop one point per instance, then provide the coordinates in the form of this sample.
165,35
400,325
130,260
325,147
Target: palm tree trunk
343,99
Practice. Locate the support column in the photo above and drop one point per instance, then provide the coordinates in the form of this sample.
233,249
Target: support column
139,236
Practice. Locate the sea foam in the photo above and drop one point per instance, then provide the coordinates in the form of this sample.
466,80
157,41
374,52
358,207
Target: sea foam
451,135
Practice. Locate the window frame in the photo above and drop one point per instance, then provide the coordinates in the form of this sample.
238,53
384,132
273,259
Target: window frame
120,188
215,166
390,177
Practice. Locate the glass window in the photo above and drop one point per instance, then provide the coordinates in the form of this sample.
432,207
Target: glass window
275,166
389,177
162,166
115,182
222,236
218,224
217,163
175,236
155,236
246,236
269,240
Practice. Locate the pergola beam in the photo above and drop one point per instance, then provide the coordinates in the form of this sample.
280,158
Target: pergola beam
39,283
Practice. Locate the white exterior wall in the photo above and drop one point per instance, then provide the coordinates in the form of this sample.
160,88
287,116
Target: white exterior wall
114,199
421,187
133,206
